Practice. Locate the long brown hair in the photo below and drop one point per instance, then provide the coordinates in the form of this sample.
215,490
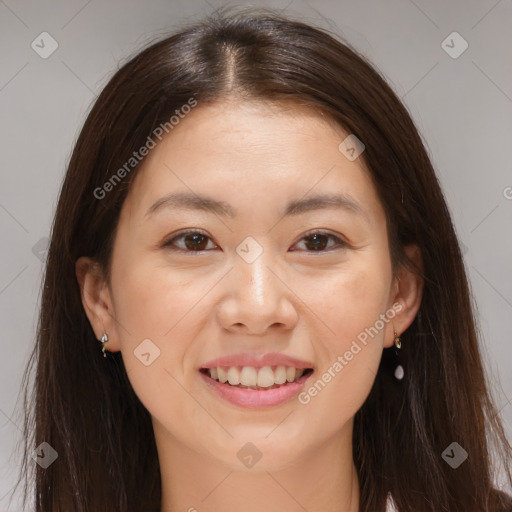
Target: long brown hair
84,405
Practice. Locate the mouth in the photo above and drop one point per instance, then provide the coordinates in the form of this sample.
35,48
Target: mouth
256,381
253,378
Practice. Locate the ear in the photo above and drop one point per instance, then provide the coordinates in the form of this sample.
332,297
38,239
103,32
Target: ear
406,295
97,301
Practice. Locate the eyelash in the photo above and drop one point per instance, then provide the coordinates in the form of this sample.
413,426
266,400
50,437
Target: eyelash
169,243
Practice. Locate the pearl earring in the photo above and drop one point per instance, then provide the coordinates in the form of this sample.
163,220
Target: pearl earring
399,370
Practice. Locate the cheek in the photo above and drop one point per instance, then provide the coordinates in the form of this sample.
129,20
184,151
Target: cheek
153,303
154,311
349,301
351,306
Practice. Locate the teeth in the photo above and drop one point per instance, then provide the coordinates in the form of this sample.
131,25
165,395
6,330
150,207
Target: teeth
249,376
222,375
265,377
280,375
233,376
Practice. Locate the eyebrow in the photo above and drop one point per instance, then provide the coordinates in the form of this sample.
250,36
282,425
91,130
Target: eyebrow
191,201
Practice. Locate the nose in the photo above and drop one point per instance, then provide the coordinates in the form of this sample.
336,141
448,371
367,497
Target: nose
257,298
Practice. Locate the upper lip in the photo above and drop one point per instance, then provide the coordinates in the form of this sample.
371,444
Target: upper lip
257,361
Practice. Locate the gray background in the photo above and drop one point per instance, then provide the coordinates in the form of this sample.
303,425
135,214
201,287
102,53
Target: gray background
462,106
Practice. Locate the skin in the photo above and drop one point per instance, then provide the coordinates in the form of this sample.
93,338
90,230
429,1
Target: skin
198,306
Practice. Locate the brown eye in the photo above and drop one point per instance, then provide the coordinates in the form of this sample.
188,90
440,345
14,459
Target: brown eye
192,241
196,241
318,241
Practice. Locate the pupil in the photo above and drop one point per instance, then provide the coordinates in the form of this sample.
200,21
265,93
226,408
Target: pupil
317,246
197,241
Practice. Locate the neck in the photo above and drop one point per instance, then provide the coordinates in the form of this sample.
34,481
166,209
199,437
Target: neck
322,479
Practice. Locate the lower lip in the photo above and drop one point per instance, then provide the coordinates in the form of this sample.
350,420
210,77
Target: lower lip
256,399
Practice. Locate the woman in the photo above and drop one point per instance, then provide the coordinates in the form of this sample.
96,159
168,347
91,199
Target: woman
252,229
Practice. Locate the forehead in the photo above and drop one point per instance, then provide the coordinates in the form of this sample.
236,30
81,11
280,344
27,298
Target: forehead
252,154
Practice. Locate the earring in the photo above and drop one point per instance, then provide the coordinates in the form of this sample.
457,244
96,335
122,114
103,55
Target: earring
104,340
399,370
397,341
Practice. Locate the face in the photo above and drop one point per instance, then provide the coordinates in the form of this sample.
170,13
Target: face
249,282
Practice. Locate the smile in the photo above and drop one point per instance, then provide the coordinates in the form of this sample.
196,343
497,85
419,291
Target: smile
251,387
249,377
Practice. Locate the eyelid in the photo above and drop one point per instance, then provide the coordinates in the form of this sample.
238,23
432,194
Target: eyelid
321,231
167,243
341,241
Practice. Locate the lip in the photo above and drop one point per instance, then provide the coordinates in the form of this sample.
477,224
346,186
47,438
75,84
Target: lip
256,399
257,361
